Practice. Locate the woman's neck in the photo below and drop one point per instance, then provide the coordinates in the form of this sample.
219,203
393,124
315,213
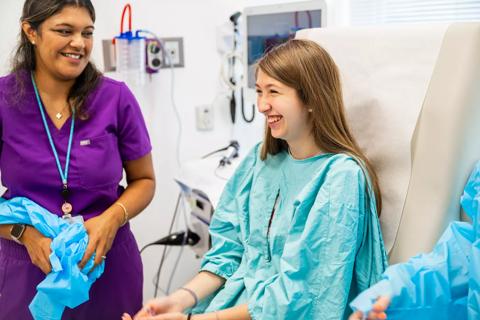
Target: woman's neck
49,86
304,148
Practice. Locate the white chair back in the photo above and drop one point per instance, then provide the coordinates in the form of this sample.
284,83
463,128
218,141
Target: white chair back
412,96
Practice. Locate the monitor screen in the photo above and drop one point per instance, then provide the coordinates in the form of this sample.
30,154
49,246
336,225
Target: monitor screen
265,31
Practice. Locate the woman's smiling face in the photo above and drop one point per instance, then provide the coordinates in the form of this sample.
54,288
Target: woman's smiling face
63,42
286,114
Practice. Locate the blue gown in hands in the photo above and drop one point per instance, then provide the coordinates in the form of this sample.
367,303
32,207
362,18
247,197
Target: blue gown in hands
295,239
443,284
66,285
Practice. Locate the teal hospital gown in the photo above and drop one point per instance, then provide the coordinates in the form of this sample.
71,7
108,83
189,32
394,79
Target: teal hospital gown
294,239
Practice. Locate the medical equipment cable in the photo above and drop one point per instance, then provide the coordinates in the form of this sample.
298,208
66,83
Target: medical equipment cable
169,250
227,57
242,103
122,20
162,260
172,274
232,57
236,33
233,100
177,261
162,290
218,175
171,240
233,86
231,152
127,6
169,232
214,152
172,90
188,238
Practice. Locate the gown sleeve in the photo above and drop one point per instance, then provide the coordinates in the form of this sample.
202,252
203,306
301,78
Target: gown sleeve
441,284
224,258
428,286
319,256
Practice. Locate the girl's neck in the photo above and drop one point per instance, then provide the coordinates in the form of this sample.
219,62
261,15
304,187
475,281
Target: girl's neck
304,148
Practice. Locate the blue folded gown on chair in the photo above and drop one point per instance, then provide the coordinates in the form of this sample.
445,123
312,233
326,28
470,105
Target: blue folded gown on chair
443,284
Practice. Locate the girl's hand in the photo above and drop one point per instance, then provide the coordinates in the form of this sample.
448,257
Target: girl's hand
164,316
163,305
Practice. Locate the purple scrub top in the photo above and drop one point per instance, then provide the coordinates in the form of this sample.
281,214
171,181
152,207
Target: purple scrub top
114,132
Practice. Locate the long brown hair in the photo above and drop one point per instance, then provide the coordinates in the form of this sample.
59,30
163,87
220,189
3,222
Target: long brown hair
35,12
309,69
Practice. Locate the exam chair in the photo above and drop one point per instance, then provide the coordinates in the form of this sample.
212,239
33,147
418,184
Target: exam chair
412,97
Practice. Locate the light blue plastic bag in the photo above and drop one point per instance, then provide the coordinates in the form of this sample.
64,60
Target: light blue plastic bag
66,284
443,284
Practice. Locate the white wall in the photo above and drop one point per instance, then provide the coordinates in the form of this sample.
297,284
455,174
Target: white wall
196,84
10,12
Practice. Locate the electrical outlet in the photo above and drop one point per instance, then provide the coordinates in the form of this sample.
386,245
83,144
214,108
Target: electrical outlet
174,46
204,117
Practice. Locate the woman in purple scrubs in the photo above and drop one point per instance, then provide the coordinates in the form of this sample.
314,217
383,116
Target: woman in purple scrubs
70,160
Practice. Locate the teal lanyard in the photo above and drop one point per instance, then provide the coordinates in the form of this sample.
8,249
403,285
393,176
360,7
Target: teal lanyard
63,174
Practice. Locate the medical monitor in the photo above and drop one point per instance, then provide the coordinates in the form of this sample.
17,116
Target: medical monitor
268,26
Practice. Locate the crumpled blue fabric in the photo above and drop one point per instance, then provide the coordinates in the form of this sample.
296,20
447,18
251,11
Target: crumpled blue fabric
66,285
443,284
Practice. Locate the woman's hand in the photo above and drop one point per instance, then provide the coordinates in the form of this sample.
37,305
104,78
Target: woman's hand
166,308
164,305
38,247
377,313
101,233
164,316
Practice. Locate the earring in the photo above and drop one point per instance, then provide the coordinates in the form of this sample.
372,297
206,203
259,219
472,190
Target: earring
33,42
310,110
